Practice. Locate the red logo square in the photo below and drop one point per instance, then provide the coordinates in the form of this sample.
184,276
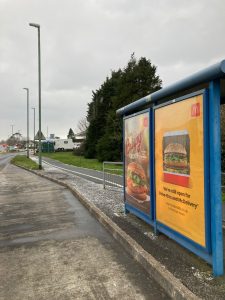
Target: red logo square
195,110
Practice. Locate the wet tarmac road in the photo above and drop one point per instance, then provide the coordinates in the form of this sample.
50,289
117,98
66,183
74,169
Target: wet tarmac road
52,248
89,174
5,159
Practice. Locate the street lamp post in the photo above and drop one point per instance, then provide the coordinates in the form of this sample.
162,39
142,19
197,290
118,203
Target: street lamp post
12,129
34,128
27,121
39,93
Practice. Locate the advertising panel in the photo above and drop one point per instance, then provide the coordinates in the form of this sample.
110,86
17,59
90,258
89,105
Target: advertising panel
179,167
136,156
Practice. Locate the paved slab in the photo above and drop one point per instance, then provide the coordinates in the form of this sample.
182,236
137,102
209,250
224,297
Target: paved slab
52,248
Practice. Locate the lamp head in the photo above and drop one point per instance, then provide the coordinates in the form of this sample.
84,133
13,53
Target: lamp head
34,25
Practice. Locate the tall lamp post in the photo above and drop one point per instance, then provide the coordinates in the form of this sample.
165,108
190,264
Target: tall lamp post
34,128
27,121
39,93
12,129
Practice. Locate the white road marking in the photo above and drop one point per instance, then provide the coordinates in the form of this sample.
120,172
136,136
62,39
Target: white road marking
75,172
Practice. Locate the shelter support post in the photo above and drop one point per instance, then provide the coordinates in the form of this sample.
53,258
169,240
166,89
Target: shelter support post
215,177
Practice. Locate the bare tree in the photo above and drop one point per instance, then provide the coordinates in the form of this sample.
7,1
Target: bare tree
82,125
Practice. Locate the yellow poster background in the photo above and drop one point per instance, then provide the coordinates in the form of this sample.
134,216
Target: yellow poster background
182,207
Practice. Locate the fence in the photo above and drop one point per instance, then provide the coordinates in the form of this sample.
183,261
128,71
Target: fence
113,174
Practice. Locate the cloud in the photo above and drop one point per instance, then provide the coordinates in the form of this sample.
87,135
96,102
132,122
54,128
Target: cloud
82,41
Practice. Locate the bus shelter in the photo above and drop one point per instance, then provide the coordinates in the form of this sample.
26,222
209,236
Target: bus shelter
172,162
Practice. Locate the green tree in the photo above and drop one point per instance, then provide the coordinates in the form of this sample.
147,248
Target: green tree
70,134
104,135
98,110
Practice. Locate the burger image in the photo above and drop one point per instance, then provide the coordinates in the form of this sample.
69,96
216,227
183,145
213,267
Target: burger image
136,181
175,159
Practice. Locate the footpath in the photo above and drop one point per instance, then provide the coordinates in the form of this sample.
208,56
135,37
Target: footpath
182,274
51,247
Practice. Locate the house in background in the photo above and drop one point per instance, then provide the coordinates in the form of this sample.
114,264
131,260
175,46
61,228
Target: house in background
79,138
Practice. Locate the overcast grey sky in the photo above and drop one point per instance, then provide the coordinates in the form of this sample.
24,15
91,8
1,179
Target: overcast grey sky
82,41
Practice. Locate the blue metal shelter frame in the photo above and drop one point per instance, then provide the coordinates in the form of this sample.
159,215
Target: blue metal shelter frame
212,80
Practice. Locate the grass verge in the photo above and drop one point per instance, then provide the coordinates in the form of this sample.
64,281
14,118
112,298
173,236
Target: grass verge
23,161
80,161
223,197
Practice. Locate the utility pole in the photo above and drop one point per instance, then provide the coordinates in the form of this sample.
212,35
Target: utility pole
12,129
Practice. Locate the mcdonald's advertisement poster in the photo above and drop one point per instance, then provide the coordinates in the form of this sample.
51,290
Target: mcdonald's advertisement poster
179,168
137,179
